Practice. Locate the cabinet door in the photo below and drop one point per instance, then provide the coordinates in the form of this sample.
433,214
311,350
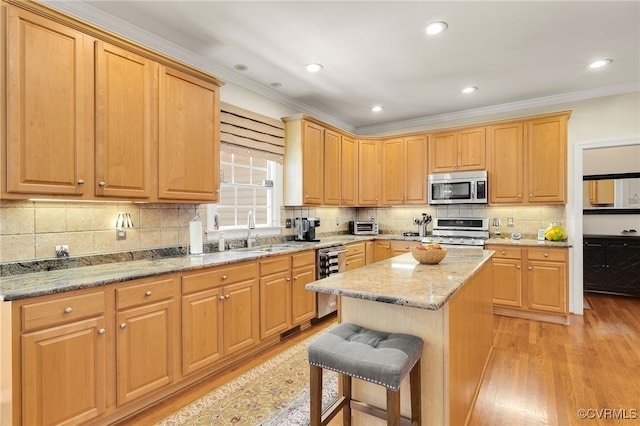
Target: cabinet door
623,270
63,373
126,99
601,191
443,152
303,304
547,160
49,106
370,252
241,316
145,350
349,171
547,286
201,329
415,170
471,149
393,171
594,265
368,172
506,162
189,138
275,300
312,163
332,169
383,250
507,282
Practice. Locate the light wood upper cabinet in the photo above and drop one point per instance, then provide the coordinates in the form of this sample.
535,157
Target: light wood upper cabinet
49,107
303,163
457,150
126,122
601,191
332,170
368,165
404,170
188,139
528,161
349,171
547,159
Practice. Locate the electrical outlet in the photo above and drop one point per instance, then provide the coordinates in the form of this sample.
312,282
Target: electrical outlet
337,221
62,250
510,221
287,223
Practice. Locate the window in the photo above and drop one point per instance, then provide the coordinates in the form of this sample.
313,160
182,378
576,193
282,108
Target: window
243,189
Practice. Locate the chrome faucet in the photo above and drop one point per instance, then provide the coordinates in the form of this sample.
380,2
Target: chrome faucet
250,225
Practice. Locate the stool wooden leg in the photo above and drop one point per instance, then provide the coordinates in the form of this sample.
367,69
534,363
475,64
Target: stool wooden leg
346,392
315,395
393,408
416,397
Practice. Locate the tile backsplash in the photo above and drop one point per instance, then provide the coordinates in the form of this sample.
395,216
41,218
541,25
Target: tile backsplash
30,230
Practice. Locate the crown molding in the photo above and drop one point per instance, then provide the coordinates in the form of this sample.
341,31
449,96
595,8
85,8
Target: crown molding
618,89
84,11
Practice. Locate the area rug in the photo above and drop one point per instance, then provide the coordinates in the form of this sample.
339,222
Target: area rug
274,393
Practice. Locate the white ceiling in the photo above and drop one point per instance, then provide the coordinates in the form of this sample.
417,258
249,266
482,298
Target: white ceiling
376,52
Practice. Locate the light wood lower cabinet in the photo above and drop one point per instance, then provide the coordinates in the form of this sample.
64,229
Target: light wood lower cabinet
284,301
356,255
219,314
531,282
384,249
147,337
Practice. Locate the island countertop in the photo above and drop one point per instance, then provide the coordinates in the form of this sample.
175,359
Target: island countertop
401,280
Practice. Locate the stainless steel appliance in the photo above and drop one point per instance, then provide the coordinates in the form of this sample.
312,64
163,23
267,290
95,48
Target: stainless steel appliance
305,228
329,261
461,232
458,187
363,227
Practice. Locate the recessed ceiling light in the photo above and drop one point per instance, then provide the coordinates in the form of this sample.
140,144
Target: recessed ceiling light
313,67
469,89
600,63
240,67
436,28
376,108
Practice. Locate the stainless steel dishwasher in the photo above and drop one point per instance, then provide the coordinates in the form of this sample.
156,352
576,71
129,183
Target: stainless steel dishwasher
329,261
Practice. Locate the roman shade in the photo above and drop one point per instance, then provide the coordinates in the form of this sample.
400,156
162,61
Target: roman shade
246,132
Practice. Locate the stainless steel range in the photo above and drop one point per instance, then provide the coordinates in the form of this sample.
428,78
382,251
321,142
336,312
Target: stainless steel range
459,232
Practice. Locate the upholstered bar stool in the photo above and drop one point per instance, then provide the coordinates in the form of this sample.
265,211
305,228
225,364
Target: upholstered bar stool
374,356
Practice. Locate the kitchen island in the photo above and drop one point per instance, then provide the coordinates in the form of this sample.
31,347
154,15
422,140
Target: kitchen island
448,305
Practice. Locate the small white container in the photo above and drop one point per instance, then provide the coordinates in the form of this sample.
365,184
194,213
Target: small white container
221,242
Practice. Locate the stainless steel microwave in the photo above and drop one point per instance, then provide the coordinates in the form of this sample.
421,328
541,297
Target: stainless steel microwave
458,187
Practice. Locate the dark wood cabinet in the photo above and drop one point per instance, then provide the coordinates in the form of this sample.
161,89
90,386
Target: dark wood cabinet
612,264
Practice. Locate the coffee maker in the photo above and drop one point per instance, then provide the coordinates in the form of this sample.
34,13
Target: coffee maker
305,228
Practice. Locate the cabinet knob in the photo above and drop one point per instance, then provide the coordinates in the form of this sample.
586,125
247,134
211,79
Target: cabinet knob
227,296
519,195
68,310
288,279
504,252
102,183
531,268
624,245
517,266
148,293
546,255
80,181
295,277
221,298
123,325
224,277
530,195
101,331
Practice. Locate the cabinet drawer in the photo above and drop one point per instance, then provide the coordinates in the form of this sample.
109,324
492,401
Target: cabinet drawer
557,255
400,246
274,265
62,310
145,292
217,276
304,258
355,248
505,252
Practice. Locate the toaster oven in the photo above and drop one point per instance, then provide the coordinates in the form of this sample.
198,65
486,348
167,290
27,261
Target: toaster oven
368,227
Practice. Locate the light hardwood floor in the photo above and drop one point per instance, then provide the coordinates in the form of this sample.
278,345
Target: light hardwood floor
539,373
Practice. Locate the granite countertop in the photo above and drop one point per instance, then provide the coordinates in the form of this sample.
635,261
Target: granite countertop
34,284
525,242
403,281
